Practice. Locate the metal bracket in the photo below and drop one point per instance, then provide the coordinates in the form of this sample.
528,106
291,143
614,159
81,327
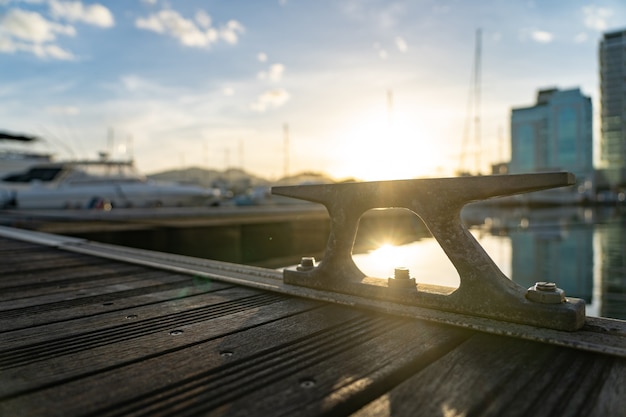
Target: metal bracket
484,290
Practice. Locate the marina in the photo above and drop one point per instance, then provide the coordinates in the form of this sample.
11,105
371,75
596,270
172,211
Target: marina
94,328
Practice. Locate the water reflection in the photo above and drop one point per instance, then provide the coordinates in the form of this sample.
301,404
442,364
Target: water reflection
582,249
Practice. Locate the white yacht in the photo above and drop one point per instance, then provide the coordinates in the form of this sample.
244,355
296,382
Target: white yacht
102,184
14,159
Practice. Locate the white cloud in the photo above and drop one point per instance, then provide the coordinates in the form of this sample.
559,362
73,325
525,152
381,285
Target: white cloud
203,19
596,17
32,27
580,38
401,44
10,46
385,16
75,11
541,36
274,73
170,22
7,45
135,84
270,99
27,31
228,91
230,32
262,57
536,35
56,52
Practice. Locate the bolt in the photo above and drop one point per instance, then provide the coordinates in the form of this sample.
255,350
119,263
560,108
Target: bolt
307,383
545,286
306,263
545,293
401,272
401,279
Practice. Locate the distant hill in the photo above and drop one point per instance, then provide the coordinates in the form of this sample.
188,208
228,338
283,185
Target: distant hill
306,178
235,179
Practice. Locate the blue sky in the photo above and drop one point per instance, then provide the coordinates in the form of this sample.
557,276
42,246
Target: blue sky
212,83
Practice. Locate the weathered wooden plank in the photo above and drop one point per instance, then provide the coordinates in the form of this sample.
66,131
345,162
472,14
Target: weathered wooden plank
155,374
86,284
48,260
94,285
63,296
43,279
317,357
510,377
344,375
11,246
88,306
85,321
116,347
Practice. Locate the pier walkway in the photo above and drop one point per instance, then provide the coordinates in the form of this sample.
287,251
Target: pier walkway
91,329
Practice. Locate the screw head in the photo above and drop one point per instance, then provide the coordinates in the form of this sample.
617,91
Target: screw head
307,383
306,263
545,293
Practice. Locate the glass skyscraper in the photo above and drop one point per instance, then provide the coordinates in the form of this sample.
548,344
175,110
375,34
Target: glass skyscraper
612,57
554,135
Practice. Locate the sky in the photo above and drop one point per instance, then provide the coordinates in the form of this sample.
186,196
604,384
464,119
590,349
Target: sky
367,89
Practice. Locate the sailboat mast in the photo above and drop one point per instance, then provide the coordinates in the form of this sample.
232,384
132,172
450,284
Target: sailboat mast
477,97
472,116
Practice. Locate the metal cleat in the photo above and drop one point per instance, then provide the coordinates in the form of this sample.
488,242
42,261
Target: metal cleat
484,290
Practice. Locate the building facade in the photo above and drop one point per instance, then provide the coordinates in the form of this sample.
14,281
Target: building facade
612,56
555,134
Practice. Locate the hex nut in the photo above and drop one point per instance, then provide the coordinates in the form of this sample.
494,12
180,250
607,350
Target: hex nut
545,293
306,263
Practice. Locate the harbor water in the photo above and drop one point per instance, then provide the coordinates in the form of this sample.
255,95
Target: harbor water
582,249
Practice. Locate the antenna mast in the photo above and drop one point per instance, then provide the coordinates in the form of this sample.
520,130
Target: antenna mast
473,111
477,97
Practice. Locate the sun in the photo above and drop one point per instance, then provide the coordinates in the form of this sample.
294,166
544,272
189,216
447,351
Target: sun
378,146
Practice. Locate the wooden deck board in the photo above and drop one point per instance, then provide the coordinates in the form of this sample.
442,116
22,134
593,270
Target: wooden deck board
123,339
513,377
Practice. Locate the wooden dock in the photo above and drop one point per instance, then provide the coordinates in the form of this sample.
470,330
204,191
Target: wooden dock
86,332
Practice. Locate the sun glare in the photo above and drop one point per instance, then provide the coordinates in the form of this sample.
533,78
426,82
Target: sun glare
419,256
379,146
